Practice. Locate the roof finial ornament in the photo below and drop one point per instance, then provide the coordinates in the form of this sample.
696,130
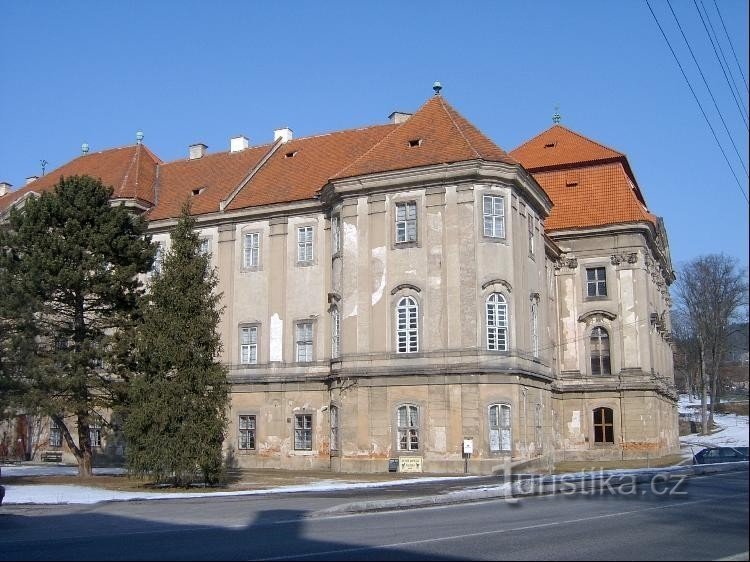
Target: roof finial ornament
44,165
437,86
139,136
85,148
556,116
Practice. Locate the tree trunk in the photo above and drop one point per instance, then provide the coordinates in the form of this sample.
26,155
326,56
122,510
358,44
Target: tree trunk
704,385
84,453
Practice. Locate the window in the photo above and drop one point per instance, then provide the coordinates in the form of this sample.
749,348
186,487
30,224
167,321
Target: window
408,428
303,432
248,345
334,428
304,340
335,235
251,249
335,333
494,216
95,436
596,281
604,430
531,234
247,433
55,435
406,222
204,247
305,244
158,258
600,363
534,330
497,323
407,332
500,428
538,435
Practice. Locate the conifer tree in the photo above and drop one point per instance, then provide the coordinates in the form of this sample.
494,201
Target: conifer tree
69,265
177,408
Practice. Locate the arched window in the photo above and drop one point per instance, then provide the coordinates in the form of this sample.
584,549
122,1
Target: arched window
534,330
604,430
600,364
499,424
497,322
407,331
408,428
335,333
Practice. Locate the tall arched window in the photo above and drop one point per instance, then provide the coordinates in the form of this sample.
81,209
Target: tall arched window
604,429
600,364
335,333
407,325
499,424
408,428
497,322
534,330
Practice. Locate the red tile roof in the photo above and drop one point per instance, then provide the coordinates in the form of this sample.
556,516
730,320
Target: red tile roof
591,196
558,146
439,134
129,170
214,176
301,167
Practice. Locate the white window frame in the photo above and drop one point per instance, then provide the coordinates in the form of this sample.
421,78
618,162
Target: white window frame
250,250
95,436
598,352
531,234
496,322
597,282
335,333
247,432
407,325
305,239
55,435
248,344
158,264
204,247
500,425
303,432
406,222
493,214
407,423
303,338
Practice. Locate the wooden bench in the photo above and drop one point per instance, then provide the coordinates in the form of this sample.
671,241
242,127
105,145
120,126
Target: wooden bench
52,456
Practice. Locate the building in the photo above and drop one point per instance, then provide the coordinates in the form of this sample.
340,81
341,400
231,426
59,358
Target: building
403,290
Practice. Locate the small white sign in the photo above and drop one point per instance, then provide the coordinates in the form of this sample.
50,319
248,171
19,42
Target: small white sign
468,446
410,464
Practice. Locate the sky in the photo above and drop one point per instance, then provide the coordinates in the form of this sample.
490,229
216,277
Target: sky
186,72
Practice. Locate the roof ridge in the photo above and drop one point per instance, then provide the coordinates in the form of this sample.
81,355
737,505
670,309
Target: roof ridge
460,130
579,135
133,161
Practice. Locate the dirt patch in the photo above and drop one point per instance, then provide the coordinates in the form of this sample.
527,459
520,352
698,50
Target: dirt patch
737,408
578,466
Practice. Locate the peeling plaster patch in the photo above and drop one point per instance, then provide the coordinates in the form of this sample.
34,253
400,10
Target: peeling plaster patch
569,327
277,337
434,281
352,312
438,438
350,237
411,271
378,273
575,422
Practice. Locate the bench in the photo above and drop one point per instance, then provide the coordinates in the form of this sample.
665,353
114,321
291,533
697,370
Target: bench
52,456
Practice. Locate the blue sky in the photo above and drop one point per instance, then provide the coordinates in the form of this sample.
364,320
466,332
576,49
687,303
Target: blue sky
187,72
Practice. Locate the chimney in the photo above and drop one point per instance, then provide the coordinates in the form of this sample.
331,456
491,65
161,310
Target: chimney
284,134
238,143
31,179
398,117
4,188
196,151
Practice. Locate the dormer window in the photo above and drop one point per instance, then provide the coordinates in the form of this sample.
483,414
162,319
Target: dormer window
290,154
549,145
198,190
415,142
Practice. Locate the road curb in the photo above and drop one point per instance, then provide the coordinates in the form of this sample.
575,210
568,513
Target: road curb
535,485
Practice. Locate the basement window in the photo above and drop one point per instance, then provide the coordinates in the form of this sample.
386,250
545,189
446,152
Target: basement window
291,154
415,142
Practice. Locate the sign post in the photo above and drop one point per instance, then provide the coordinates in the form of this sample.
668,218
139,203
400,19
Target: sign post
468,449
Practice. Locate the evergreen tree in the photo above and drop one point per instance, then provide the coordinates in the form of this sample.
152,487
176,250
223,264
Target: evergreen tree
177,408
69,270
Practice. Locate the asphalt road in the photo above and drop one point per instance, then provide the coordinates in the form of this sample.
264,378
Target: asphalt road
708,521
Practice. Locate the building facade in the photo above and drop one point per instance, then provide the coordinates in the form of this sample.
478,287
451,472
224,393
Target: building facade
407,290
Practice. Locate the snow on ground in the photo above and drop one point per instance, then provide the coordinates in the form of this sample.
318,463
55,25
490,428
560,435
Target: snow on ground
732,430
68,493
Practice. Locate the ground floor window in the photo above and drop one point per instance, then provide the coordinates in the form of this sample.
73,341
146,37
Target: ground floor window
499,424
604,430
334,428
408,428
247,433
303,432
55,435
95,436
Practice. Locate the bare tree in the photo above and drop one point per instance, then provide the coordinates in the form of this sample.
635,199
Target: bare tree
711,291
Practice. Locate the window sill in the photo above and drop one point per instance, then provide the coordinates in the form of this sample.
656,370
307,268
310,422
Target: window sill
408,244
596,298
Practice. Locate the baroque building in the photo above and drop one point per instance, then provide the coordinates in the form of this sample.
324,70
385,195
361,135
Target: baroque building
405,290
